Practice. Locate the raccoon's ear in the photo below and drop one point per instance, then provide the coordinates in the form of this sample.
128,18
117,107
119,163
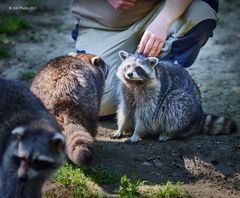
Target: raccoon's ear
97,61
123,55
153,61
19,131
57,141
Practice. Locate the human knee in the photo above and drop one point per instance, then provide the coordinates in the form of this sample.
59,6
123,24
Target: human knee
185,49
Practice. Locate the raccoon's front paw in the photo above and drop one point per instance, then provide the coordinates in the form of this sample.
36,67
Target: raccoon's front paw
164,138
116,135
134,139
129,141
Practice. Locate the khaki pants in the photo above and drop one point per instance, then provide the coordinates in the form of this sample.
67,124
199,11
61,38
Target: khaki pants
107,42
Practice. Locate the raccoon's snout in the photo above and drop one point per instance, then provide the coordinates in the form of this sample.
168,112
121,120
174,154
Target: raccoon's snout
130,75
22,172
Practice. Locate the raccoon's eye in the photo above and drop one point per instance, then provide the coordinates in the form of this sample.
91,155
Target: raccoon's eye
126,68
39,165
140,71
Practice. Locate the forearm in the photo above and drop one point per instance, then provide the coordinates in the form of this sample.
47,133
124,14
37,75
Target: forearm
172,10
156,33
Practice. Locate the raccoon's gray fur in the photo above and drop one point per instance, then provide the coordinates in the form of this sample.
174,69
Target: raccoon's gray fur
160,98
31,142
71,88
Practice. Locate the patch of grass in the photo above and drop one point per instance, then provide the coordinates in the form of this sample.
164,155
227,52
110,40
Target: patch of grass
227,8
73,178
4,53
128,188
78,192
220,22
100,175
5,40
12,24
40,6
78,183
229,112
49,195
70,174
169,190
80,180
27,75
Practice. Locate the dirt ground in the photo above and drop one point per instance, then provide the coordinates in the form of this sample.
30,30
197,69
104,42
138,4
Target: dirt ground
209,166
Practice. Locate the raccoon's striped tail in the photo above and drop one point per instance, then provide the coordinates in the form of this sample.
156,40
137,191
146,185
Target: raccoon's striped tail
216,125
79,143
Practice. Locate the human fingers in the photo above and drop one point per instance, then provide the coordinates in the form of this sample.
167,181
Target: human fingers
125,5
157,46
122,4
154,48
131,1
143,42
148,46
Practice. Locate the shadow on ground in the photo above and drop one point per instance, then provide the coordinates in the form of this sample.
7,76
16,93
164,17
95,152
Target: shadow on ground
212,158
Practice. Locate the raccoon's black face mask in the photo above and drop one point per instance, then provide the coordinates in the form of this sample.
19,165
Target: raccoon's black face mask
35,152
137,67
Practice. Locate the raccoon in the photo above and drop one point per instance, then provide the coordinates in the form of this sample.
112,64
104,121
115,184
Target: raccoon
31,142
71,88
160,98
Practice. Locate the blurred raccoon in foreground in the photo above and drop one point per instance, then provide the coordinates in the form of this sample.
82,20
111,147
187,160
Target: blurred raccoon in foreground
160,98
31,144
71,88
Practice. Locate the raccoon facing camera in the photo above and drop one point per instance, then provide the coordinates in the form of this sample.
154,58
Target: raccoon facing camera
161,99
31,142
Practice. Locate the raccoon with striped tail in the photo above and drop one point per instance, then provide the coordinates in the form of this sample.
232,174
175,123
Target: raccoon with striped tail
71,88
160,98
31,142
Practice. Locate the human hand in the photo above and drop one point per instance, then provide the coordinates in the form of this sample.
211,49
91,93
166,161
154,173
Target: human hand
122,4
156,33
154,37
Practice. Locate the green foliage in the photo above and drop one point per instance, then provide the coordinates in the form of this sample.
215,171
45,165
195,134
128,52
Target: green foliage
170,190
4,53
70,174
12,24
73,177
5,40
27,75
49,195
100,175
229,7
229,112
77,182
128,189
78,192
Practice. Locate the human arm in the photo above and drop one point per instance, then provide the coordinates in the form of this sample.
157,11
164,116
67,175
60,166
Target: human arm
156,33
122,4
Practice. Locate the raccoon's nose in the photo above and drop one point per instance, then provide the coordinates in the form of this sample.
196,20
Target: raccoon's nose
130,75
